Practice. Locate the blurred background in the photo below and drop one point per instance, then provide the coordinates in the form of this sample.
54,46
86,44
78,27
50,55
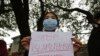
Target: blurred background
69,21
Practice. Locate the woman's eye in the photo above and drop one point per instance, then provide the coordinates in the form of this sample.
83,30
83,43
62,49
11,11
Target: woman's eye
46,17
53,18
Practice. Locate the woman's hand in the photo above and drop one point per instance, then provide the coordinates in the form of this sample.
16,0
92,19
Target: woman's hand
76,45
25,42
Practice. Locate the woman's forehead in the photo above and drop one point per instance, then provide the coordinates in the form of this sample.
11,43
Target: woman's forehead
50,14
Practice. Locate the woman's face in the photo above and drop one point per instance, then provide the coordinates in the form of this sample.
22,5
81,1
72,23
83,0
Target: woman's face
50,22
50,15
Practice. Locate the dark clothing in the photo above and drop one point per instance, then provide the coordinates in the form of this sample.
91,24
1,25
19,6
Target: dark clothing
94,39
94,42
3,48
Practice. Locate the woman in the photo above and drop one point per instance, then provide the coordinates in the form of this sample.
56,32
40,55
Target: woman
50,24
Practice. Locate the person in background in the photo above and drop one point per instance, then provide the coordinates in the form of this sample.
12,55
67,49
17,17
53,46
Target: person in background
94,39
50,24
3,48
93,44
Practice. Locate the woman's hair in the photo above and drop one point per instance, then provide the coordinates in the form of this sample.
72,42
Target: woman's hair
54,15
51,13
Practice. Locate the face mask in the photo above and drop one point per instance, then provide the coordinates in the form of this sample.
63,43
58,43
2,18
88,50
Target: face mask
50,24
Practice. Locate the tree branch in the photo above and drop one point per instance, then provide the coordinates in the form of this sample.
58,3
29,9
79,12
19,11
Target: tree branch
26,7
21,18
39,22
84,33
42,8
57,6
89,15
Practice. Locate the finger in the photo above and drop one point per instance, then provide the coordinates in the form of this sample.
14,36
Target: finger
25,39
26,47
77,45
25,43
76,41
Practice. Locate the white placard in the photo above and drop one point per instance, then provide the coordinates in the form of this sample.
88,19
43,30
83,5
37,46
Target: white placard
51,44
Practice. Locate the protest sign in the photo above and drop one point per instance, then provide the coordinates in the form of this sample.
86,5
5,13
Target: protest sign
51,44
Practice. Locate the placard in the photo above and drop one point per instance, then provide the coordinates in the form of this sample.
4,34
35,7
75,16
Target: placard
51,44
